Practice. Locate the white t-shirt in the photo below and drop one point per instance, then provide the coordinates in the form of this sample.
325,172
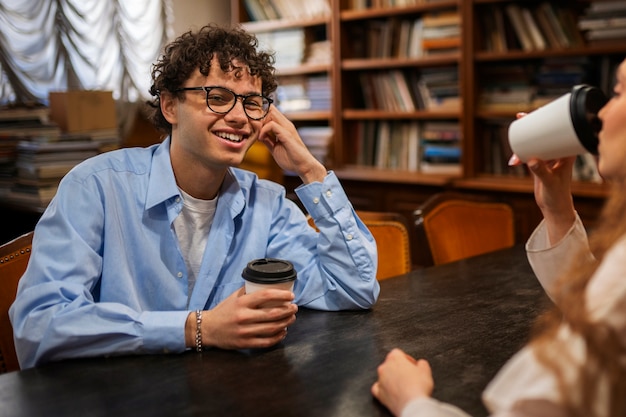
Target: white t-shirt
192,230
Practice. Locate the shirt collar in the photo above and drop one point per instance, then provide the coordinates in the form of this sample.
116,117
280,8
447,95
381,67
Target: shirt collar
162,183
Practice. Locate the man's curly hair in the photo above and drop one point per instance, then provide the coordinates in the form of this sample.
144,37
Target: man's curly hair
195,50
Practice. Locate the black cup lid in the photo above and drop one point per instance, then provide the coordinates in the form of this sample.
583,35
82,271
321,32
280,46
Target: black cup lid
585,103
269,270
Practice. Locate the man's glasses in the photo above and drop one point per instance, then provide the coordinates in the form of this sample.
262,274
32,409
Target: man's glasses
221,100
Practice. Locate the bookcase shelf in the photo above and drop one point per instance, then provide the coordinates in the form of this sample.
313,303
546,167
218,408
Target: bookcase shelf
522,185
372,174
270,25
303,70
350,14
606,49
309,115
355,114
360,64
482,127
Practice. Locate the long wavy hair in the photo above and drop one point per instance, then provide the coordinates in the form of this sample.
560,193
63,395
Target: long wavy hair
602,379
195,50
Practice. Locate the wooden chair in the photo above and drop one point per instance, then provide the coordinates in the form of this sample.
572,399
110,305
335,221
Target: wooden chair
14,256
457,226
391,232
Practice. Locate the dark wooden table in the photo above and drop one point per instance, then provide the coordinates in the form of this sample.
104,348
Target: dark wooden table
467,318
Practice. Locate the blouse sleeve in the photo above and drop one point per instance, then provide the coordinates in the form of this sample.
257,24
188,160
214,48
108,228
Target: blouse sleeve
550,261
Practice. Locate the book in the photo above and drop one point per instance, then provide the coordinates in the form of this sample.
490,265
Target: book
451,168
402,89
44,170
413,146
548,10
255,10
37,195
441,43
537,37
606,6
514,12
441,153
500,40
570,26
317,139
32,147
608,33
38,114
383,144
548,30
415,39
445,18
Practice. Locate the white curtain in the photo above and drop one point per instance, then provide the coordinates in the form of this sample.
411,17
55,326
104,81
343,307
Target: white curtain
48,45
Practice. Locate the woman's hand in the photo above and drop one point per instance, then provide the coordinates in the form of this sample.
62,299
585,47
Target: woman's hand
401,379
553,192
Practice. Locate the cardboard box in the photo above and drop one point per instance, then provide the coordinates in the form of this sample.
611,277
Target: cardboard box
82,110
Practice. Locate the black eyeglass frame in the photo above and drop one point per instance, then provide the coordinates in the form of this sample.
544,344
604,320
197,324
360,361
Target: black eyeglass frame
207,89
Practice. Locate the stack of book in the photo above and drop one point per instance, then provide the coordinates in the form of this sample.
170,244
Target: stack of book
41,165
303,93
20,123
318,53
441,32
292,95
317,139
441,148
319,92
439,88
604,21
289,45
40,144
507,88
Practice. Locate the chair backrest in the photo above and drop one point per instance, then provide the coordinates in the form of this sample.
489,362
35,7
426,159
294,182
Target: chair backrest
391,233
14,256
458,226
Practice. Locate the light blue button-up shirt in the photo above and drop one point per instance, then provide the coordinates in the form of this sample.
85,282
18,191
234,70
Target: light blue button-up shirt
106,275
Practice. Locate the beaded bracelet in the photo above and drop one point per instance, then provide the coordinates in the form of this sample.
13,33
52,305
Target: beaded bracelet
198,330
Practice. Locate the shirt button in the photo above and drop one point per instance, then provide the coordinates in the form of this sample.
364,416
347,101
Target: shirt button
178,199
179,275
349,236
316,200
329,193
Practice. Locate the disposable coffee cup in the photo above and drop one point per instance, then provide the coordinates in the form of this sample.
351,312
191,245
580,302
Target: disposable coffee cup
564,127
269,273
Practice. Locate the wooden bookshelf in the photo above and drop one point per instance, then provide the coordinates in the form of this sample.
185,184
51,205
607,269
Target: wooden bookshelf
373,188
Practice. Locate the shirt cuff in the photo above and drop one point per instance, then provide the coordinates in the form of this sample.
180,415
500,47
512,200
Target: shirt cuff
548,261
539,240
322,199
164,331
